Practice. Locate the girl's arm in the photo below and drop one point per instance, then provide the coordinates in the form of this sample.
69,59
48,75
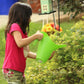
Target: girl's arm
21,42
26,48
32,55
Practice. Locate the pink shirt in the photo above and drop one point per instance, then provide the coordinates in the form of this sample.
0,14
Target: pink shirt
14,56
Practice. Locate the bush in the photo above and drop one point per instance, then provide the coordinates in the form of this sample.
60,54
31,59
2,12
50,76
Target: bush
72,7
67,66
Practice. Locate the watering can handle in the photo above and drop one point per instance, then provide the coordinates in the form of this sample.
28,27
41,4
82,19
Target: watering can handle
36,41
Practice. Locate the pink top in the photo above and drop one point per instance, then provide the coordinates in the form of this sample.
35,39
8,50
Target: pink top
14,56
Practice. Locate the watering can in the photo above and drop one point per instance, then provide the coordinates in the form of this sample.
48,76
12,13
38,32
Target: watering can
45,48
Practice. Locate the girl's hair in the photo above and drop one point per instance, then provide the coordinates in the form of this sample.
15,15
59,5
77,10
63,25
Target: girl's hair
19,13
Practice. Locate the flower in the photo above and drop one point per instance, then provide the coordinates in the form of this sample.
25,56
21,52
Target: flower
50,28
47,28
60,29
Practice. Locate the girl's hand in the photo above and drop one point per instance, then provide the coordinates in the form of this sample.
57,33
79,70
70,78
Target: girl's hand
39,35
52,55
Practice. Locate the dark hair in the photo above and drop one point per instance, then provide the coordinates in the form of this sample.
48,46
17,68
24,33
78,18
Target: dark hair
19,13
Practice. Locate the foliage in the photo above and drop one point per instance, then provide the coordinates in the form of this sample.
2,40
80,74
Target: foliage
2,42
52,72
2,54
73,7
67,66
34,27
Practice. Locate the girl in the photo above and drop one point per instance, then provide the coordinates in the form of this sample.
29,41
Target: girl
17,41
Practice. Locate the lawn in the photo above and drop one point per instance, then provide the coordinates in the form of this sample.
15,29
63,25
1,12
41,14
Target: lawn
33,28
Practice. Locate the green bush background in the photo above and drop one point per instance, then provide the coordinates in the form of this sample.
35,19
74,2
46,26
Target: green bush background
67,65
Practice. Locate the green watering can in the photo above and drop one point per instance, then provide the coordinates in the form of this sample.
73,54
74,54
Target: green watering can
45,48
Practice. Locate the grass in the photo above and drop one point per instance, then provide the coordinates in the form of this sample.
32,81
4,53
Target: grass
33,28
2,54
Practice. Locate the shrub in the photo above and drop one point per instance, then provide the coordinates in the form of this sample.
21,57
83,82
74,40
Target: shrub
72,7
67,65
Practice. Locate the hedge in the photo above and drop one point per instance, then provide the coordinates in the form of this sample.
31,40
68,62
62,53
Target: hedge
67,65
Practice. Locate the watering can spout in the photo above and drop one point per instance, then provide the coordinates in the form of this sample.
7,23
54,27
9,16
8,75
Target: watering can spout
59,46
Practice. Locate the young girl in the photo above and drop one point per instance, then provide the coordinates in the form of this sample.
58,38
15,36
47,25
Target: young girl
17,41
